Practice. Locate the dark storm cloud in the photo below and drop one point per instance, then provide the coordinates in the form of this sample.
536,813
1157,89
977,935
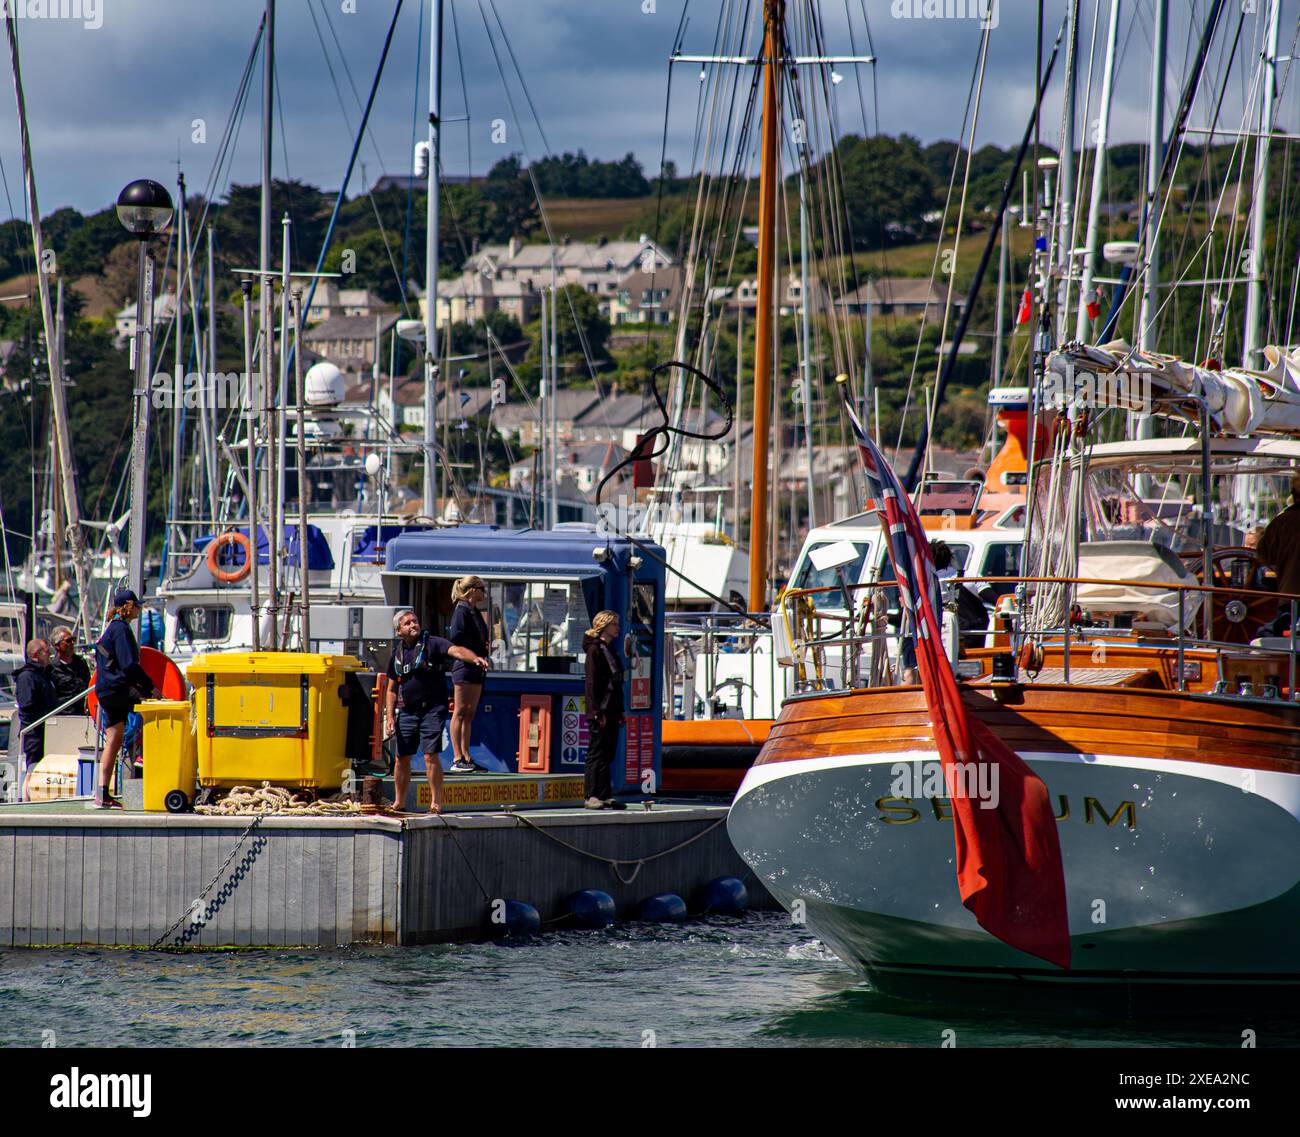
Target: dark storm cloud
117,101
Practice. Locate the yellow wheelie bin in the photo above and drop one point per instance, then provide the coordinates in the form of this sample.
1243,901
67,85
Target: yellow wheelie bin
272,716
170,758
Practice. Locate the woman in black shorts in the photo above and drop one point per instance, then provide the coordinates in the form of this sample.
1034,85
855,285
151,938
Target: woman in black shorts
469,630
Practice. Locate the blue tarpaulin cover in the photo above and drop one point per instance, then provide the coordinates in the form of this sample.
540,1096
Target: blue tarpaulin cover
370,542
318,549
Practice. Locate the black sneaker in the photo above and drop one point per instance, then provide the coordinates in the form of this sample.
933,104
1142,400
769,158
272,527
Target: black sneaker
611,803
459,767
104,800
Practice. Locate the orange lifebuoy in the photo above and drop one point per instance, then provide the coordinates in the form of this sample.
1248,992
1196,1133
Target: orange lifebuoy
230,537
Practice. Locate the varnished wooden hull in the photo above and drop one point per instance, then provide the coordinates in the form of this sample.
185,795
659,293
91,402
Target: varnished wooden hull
1179,818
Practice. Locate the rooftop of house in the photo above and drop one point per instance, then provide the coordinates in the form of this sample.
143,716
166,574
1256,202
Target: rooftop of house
575,255
896,290
350,328
638,283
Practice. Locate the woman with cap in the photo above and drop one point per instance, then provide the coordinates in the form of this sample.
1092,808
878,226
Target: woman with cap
604,672
120,683
469,630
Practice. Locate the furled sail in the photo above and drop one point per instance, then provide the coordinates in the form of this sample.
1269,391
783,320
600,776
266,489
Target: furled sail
1239,401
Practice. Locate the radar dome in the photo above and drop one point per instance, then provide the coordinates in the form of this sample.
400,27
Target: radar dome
324,385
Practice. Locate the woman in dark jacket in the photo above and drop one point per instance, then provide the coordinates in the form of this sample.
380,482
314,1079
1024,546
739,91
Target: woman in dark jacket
604,708
469,630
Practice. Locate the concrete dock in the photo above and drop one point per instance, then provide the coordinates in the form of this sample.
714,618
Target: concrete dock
70,875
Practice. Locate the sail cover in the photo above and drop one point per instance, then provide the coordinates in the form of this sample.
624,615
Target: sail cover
1239,401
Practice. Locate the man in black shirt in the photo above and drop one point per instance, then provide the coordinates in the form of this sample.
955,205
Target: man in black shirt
35,696
70,673
417,668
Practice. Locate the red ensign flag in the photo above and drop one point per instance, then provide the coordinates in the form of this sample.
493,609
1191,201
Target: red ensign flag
1009,868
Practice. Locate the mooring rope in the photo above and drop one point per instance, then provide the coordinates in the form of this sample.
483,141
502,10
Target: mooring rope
615,862
244,800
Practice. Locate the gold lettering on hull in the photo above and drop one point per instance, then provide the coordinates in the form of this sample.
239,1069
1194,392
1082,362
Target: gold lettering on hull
901,811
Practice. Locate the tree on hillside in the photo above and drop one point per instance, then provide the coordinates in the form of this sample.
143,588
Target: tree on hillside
575,175
591,328
511,204
238,224
886,181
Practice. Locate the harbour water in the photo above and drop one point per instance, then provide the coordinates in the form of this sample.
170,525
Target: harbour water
756,981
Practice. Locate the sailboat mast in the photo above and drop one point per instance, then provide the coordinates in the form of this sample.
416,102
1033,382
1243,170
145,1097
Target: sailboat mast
205,412
1151,277
806,337
1098,176
264,305
1066,185
431,261
178,366
769,178
1259,194
53,354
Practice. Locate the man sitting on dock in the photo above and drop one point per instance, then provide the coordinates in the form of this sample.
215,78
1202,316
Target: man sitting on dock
418,667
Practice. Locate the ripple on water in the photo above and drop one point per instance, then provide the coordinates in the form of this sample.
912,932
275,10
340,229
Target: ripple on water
712,982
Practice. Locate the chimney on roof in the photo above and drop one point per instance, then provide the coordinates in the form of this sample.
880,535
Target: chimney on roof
514,246
644,238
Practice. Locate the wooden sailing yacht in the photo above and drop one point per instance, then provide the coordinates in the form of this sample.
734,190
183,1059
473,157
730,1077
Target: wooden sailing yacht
1146,673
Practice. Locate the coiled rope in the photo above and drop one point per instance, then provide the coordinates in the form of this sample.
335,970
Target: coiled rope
244,800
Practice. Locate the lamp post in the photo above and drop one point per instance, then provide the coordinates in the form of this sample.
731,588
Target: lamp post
145,210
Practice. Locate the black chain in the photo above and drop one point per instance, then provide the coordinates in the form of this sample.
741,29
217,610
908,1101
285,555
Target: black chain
223,894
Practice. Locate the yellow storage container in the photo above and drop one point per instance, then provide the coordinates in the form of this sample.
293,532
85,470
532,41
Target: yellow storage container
170,757
274,716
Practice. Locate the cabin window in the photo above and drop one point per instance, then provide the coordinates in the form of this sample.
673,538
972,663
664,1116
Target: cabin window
11,636
807,575
1002,559
209,622
530,621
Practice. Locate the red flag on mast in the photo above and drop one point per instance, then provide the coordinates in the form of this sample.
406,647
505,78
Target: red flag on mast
1009,869
1026,312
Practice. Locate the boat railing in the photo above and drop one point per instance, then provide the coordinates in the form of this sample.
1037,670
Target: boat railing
720,665
867,643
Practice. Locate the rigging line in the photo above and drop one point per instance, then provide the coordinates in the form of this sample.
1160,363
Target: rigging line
533,180
938,250
1172,152
1077,212
352,158
329,67
523,84
392,262
230,133
464,90
415,126
649,447
347,70
287,181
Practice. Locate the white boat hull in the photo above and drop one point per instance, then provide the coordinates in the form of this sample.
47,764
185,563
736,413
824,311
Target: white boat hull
1177,872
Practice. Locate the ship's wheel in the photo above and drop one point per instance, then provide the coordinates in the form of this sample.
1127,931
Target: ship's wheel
1235,619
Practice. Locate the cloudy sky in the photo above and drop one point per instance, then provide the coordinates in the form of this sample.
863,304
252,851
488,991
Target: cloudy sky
114,95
